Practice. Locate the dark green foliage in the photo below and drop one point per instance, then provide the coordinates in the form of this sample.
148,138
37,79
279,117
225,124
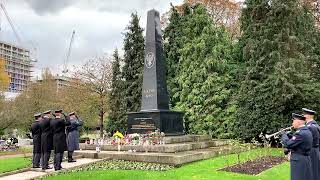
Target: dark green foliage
199,64
133,64
171,47
277,49
117,111
175,37
127,82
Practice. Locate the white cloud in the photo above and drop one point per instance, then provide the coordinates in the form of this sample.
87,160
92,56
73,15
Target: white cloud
98,24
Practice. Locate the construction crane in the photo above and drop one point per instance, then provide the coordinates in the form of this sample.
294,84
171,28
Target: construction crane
15,30
11,23
65,64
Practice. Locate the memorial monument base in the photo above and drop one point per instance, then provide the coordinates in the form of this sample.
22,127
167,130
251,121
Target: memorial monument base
175,150
169,122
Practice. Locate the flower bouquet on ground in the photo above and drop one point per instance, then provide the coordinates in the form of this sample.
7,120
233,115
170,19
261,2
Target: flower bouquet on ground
134,138
161,141
146,142
118,139
154,137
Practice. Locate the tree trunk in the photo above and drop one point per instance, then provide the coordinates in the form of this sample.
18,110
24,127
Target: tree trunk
101,113
101,124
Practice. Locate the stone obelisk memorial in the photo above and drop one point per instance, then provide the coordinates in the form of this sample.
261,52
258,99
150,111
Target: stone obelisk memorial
155,113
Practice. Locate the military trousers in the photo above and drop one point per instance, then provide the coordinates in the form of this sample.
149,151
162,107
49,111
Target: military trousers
70,153
45,156
36,159
57,160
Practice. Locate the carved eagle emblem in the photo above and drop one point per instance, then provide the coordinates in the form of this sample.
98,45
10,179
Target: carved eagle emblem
149,60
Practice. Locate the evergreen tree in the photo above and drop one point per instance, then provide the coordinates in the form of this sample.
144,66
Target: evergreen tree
133,64
203,81
174,41
117,116
275,47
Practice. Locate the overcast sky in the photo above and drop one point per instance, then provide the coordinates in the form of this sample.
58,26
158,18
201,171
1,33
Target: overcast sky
48,25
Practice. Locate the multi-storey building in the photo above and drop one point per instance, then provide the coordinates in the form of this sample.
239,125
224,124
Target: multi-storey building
60,81
18,65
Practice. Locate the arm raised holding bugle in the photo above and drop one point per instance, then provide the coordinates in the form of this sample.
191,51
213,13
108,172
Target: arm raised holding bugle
268,136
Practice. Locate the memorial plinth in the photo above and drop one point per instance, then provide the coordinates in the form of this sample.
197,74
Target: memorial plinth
155,113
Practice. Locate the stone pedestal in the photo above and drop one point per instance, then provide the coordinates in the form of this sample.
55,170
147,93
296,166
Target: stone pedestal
169,122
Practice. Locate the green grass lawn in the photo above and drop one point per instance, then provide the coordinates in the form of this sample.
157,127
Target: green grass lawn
206,169
11,164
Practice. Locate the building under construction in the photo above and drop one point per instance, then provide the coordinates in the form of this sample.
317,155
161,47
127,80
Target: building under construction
18,66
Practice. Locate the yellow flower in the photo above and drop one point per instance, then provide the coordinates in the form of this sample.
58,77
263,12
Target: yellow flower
118,134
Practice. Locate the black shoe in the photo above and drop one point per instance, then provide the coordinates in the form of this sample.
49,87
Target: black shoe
35,166
71,161
58,169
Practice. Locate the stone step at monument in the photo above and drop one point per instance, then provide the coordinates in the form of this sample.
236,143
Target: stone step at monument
166,148
185,138
178,158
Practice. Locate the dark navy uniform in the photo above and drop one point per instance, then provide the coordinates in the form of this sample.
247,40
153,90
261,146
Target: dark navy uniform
315,130
73,136
300,146
315,155
58,126
46,140
36,136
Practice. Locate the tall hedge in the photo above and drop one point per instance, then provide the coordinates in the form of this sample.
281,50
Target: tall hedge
200,55
276,48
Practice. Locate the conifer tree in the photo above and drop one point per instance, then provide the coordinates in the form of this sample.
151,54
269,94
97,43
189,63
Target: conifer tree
117,116
202,73
133,64
174,41
276,48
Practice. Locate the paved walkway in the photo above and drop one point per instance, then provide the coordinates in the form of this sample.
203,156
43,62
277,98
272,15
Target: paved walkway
36,173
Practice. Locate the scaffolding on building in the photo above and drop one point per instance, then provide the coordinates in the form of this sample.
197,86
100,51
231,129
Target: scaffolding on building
18,66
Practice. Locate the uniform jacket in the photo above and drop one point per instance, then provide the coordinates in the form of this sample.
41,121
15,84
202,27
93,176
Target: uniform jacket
73,134
315,155
36,136
300,146
46,135
58,126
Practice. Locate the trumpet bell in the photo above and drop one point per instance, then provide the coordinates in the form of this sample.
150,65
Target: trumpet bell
268,136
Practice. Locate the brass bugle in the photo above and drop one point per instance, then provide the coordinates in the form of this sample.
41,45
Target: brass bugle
268,136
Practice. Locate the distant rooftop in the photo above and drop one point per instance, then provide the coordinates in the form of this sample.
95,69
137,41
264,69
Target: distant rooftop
14,45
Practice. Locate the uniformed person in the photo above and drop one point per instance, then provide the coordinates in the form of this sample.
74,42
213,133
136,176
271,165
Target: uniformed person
73,135
58,126
36,136
314,128
46,140
300,146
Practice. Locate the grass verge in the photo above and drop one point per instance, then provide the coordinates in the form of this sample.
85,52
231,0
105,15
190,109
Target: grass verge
12,164
206,169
